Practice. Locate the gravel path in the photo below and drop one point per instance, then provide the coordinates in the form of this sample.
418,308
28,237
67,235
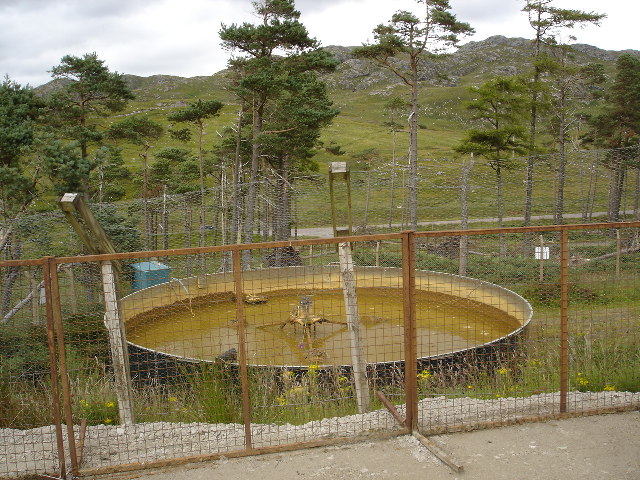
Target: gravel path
605,447
33,451
327,232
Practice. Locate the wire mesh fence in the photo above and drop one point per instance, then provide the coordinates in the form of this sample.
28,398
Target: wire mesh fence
580,186
128,360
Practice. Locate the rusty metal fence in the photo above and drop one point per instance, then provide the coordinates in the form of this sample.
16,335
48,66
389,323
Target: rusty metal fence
126,361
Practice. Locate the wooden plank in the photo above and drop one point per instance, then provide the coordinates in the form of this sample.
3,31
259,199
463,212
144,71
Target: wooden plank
445,458
391,407
83,433
429,444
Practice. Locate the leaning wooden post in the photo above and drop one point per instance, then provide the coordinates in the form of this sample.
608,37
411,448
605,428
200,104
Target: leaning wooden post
97,242
118,344
358,360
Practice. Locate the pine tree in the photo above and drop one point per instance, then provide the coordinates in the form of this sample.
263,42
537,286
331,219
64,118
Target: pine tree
140,130
500,106
618,126
89,90
410,36
269,52
548,22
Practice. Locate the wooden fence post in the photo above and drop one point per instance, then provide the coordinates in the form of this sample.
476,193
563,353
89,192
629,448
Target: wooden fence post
118,345
358,360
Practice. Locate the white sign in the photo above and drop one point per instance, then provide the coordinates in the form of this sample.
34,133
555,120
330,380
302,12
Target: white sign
542,253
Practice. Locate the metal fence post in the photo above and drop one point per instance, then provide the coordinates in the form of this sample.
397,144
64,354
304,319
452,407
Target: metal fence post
564,319
410,340
242,347
64,375
53,366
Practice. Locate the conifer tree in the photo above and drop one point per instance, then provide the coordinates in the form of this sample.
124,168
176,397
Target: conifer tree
268,53
500,107
414,36
547,21
88,90
618,126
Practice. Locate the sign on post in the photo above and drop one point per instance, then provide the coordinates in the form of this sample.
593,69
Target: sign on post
542,253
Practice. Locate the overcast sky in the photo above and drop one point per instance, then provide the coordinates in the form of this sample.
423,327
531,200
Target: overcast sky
180,37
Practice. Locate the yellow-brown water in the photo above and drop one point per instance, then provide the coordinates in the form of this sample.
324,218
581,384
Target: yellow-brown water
444,324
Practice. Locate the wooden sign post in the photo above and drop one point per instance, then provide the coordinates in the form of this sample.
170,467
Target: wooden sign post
340,171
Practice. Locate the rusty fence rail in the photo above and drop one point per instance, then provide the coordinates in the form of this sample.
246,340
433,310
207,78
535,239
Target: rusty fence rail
125,361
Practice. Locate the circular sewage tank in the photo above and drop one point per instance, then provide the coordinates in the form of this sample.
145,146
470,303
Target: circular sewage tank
295,317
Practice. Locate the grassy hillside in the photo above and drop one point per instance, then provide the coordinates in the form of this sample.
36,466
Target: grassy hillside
360,90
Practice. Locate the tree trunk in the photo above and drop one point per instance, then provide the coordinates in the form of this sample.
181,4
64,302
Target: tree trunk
617,189
187,232
393,177
165,219
236,198
367,197
561,173
85,179
464,215
145,199
528,202
258,111
283,203
503,247
413,148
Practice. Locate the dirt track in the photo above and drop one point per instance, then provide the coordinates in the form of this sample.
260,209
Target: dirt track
586,448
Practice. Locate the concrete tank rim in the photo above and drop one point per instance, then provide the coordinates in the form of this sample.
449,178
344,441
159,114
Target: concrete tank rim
527,308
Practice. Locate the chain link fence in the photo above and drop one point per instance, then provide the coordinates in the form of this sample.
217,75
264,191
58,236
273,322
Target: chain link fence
119,362
579,187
